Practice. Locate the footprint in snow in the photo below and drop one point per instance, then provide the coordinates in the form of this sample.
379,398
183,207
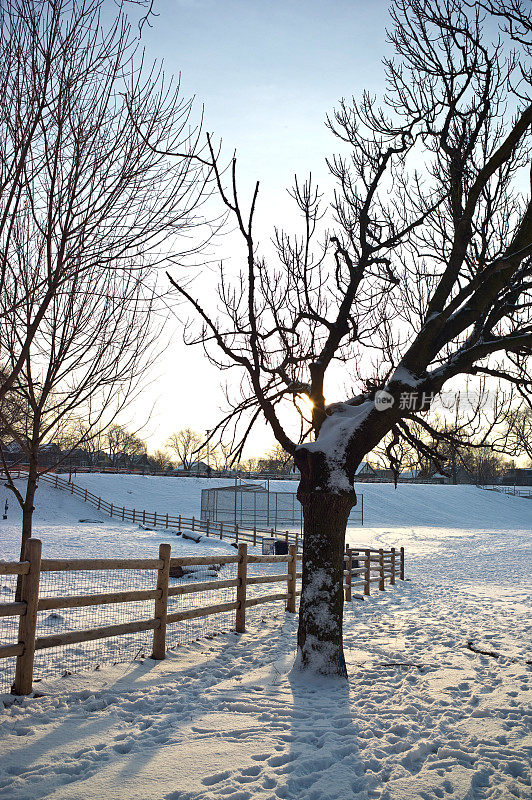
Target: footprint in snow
123,748
211,780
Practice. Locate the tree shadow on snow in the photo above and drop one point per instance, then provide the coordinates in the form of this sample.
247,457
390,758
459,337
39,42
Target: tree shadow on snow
323,762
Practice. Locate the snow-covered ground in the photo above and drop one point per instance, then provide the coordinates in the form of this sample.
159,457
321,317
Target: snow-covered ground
408,505
423,716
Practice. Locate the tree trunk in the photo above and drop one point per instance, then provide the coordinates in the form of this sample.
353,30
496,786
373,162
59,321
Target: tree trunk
319,635
27,518
325,514
327,495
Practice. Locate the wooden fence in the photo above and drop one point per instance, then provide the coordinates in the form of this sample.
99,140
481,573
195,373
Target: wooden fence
377,566
369,566
161,519
517,491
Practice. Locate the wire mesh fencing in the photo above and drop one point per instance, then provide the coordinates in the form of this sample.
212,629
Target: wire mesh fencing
85,586
66,659
265,573
251,505
8,631
188,630
82,614
70,658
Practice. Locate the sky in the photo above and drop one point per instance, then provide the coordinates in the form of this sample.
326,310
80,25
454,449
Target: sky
266,74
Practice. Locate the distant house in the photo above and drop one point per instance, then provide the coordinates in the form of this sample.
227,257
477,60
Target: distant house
518,476
128,461
365,470
100,459
14,454
409,475
140,461
77,458
384,474
197,468
49,455
439,477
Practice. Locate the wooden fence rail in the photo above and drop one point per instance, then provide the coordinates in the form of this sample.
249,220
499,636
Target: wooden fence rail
158,519
361,565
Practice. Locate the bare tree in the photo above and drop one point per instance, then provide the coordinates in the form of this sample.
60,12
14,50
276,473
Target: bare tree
78,433
92,349
50,54
276,460
186,444
86,212
123,445
225,458
161,461
518,433
425,277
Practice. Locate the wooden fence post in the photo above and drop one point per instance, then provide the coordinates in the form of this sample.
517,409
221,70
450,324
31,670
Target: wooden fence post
167,520
56,481
221,530
392,576
241,588
193,521
381,570
254,536
133,515
291,579
85,495
143,516
99,503
179,524
348,578
111,509
367,573
28,623
286,536
161,603
123,513
402,566
207,528
236,531
154,519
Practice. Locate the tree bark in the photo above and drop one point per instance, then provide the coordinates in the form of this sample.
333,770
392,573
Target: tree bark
325,514
27,518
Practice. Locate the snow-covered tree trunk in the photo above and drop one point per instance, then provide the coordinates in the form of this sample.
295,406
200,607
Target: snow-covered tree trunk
319,638
326,493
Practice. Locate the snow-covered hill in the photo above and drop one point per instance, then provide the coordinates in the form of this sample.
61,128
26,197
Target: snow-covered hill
408,505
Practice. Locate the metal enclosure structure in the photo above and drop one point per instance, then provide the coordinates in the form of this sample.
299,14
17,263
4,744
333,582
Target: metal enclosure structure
255,505
251,505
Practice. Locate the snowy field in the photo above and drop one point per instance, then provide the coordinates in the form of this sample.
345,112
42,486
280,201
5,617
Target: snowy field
408,505
423,716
